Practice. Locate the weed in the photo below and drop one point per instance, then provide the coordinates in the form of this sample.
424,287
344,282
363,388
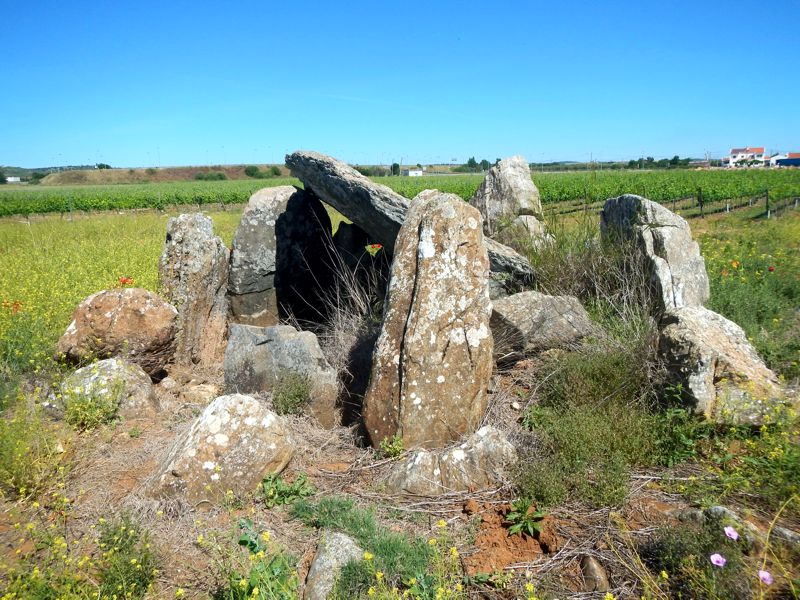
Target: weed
399,557
275,492
30,452
291,392
269,574
128,565
87,409
391,447
134,433
524,518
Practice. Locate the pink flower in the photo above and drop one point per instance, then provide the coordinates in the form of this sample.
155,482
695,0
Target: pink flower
731,533
717,560
765,577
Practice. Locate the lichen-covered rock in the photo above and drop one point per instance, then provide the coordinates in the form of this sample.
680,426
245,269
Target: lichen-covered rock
334,551
234,443
476,464
433,358
507,192
112,381
193,273
131,323
531,322
717,368
257,359
677,269
277,260
378,210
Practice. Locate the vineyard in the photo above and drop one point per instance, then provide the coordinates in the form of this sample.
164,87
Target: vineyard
564,192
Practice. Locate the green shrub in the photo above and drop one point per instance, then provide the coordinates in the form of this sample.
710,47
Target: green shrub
128,568
275,492
391,447
252,171
291,393
30,451
86,411
211,176
683,554
274,171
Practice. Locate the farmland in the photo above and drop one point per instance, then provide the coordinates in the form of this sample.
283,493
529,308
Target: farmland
662,186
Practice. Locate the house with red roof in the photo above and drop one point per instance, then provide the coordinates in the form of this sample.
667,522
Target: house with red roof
789,159
746,157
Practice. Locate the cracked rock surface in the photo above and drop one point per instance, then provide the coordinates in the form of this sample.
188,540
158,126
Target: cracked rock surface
433,357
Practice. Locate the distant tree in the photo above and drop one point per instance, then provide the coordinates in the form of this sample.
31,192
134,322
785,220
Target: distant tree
2,178
632,164
395,169
484,165
472,164
102,166
675,161
650,159
252,171
274,171
419,166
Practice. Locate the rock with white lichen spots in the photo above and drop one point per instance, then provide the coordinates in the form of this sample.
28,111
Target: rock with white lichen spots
476,464
334,551
433,358
234,443
132,323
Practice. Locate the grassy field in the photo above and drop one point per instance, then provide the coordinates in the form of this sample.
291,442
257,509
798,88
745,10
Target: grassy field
662,186
592,438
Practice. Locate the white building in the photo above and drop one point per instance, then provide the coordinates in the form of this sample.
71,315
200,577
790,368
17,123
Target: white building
412,172
745,157
12,180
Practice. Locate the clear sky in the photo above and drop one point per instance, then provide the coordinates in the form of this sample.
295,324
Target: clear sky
140,83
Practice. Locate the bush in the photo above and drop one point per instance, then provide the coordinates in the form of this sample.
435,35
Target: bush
128,568
211,176
276,492
88,411
30,451
252,171
291,393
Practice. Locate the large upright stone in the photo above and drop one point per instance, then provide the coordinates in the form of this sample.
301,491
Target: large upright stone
717,368
677,269
506,193
377,209
132,323
277,256
258,359
193,273
373,207
433,358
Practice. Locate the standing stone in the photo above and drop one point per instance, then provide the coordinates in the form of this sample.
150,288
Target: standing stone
677,269
531,322
717,368
334,551
193,272
276,260
433,358
133,323
506,193
257,358
377,209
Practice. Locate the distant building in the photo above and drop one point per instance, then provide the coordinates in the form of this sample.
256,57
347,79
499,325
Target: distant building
790,159
412,172
743,157
12,180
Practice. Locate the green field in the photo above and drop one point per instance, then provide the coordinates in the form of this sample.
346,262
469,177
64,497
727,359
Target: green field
662,186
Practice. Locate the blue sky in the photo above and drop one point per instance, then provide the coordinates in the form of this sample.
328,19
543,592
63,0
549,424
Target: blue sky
178,83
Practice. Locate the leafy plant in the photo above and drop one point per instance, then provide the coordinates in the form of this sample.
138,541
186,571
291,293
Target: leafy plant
525,518
275,492
392,447
87,409
291,392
